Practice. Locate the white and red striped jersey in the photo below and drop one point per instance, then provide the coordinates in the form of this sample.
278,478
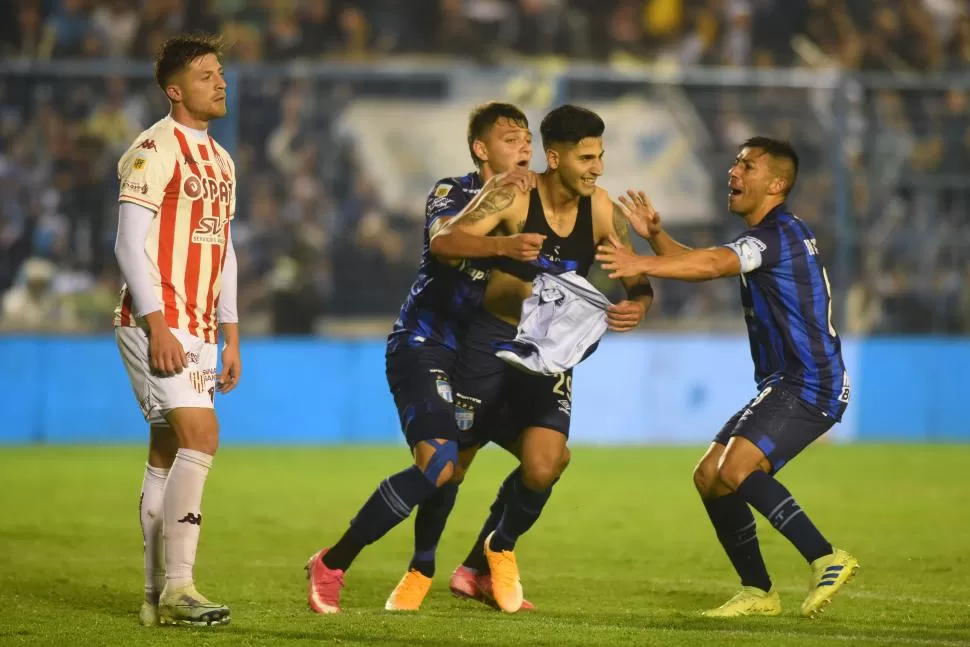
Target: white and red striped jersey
189,181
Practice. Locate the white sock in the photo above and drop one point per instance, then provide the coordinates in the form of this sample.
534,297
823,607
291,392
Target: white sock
150,511
182,514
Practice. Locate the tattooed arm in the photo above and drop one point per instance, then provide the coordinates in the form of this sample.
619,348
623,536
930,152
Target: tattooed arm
637,288
613,226
467,234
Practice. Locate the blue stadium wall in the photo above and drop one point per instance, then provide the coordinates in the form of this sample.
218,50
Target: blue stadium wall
661,389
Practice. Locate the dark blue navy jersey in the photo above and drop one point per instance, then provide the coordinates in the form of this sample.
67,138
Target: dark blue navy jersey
788,310
443,297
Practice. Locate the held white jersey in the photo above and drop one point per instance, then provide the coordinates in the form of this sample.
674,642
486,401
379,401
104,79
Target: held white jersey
561,323
189,181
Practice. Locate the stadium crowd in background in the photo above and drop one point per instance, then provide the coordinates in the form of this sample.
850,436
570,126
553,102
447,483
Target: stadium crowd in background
313,242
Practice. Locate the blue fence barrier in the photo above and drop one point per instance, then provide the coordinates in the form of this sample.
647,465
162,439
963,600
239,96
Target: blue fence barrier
634,390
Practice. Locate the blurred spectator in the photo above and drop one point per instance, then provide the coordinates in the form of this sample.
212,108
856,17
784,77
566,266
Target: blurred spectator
117,22
65,31
454,33
284,38
958,47
159,20
355,39
21,29
32,303
319,27
626,28
864,309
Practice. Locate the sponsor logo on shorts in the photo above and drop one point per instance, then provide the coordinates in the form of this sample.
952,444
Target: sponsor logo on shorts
464,418
193,358
461,397
200,379
761,396
444,390
565,407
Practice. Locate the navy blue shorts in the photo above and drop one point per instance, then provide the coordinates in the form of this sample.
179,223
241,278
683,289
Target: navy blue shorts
495,401
420,380
779,423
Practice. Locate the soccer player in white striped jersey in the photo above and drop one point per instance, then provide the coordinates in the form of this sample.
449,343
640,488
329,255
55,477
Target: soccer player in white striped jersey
177,198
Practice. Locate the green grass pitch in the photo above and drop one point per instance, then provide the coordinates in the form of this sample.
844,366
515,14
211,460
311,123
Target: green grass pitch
623,555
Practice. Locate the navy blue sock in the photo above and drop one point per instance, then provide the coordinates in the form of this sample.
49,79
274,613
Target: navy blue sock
522,509
429,523
476,557
775,502
737,532
389,505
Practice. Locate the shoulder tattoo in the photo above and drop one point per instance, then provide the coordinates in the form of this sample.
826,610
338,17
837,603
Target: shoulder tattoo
493,202
621,225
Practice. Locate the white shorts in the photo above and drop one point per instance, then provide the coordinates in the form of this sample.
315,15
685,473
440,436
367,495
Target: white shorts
156,395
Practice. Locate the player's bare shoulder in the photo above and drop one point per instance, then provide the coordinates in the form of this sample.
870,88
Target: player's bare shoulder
601,203
607,217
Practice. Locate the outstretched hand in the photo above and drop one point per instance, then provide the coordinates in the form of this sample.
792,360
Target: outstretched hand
619,261
644,219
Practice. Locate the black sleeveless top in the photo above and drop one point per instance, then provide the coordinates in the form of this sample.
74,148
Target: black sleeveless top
559,254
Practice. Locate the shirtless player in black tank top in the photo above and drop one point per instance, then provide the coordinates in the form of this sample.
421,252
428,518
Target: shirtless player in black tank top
567,215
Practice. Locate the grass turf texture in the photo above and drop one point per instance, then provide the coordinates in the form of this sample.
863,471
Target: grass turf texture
624,553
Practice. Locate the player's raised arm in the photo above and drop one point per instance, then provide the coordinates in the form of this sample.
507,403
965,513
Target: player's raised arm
752,250
694,266
635,206
467,235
